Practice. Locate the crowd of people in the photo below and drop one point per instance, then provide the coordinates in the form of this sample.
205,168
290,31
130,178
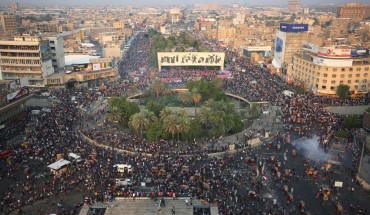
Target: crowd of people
236,183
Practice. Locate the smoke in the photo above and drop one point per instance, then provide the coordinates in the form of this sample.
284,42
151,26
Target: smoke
310,148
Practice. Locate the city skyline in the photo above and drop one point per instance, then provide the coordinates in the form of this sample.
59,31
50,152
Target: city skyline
175,2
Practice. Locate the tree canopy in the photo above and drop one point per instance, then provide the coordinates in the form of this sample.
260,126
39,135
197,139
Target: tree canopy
343,91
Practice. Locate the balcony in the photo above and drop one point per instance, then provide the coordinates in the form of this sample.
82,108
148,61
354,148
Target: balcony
20,57
22,71
12,64
20,50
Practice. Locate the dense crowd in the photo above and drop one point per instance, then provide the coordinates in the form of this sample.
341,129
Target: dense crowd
236,183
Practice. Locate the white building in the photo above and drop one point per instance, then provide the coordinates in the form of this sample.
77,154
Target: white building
57,51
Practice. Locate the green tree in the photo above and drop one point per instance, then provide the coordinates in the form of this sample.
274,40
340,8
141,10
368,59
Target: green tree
185,98
165,113
254,110
158,87
156,132
342,91
154,106
196,99
115,115
170,125
351,121
141,121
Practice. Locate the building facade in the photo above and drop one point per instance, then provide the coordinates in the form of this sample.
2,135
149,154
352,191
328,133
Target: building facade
294,5
57,51
289,39
25,56
8,22
323,73
354,11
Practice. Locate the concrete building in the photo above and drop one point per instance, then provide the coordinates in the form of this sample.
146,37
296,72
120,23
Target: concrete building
14,6
289,39
322,69
209,6
112,50
119,24
354,11
25,56
294,5
175,15
57,51
8,22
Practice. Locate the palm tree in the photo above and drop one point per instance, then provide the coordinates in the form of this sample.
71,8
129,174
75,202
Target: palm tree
142,120
115,115
157,87
170,125
185,98
183,126
165,113
204,116
196,99
254,110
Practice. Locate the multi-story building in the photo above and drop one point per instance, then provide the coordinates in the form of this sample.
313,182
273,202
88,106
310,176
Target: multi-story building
210,6
8,22
322,69
57,51
294,5
354,11
289,39
14,6
112,50
175,15
25,56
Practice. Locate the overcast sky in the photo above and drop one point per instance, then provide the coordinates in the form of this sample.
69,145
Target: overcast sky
172,2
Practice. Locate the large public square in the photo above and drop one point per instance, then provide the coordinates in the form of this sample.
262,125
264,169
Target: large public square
278,163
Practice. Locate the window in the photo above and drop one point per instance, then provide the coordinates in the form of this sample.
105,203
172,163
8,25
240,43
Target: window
326,69
324,81
358,69
340,82
350,76
349,81
342,75
357,75
356,81
350,69
333,76
332,88
333,82
364,81
343,70
366,68
365,74
323,87
334,69
325,75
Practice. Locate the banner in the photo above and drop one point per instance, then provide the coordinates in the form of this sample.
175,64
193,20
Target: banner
332,62
360,52
45,50
17,94
85,67
332,52
285,27
279,49
191,59
18,83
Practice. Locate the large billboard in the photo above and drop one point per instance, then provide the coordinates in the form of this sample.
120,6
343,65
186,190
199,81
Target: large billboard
45,50
100,66
332,62
279,49
333,52
84,67
17,94
18,83
286,27
191,59
360,52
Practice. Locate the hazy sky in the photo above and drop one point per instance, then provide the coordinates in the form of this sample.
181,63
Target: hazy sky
173,2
